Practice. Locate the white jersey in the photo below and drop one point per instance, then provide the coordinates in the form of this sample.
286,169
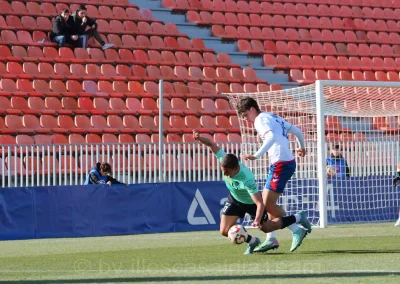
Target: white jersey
280,150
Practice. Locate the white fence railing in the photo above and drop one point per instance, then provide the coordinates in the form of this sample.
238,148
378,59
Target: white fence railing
45,165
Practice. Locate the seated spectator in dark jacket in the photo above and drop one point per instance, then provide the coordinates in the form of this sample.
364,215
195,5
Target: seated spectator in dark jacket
80,23
99,174
62,28
337,161
62,32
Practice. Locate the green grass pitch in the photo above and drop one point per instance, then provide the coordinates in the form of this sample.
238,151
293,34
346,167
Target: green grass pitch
363,253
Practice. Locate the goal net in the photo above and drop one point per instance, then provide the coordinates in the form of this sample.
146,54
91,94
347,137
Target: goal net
351,132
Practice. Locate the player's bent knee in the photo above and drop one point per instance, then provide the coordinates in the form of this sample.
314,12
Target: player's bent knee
274,210
224,231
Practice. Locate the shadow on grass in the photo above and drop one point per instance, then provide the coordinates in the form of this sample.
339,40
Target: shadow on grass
211,278
351,251
269,253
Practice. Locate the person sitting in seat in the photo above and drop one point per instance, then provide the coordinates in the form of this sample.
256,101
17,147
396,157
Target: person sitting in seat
337,161
396,181
100,174
61,32
79,26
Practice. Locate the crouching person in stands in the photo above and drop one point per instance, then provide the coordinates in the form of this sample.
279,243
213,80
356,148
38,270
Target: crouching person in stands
62,28
80,22
100,174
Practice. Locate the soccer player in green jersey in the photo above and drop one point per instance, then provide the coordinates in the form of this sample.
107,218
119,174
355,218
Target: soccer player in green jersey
245,198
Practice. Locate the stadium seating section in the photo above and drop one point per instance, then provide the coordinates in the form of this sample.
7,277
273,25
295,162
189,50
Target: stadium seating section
64,90
327,39
313,40
51,95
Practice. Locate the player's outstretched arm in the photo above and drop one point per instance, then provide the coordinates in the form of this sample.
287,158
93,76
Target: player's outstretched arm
269,140
203,140
300,139
260,209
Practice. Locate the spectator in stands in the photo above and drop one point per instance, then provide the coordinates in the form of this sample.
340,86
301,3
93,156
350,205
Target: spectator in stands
62,28
396,181
80,23
100,174
337,161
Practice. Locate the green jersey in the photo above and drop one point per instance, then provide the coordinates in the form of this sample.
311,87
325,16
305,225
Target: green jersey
242,185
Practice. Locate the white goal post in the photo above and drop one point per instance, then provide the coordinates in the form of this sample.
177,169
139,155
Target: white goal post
351,131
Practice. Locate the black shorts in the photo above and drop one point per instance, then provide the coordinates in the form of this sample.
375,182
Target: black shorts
233,207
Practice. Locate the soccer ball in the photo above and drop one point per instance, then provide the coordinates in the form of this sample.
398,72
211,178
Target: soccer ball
330,171
237,234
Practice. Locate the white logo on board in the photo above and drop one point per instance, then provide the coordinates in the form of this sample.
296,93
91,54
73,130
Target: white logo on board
208,218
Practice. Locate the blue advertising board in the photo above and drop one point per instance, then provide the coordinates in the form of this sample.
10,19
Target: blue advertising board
99,210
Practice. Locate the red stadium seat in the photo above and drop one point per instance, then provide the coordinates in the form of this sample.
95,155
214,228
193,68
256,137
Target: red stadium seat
358,76
54,104
17,51
381,76
236,88
393,76
177,122
222,122
250,88
131,122
5,51
14,21
345,75
192,122
220,137
28,22
14,68
126,139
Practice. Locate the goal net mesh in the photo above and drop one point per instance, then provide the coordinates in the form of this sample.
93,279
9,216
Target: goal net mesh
361,145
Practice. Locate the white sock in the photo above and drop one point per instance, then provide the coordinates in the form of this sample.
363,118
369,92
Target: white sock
253,240
271,235
298,217
293,227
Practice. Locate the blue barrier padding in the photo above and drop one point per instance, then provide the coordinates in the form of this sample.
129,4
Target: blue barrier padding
100,210
17,218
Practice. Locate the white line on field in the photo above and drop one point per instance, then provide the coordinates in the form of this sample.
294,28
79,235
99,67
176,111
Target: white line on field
171,237
203,270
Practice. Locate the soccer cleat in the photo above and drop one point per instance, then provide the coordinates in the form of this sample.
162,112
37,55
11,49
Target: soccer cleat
298,237
268,245
250,248
397,223
304,221
107,46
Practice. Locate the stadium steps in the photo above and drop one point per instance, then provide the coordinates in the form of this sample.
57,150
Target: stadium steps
219,45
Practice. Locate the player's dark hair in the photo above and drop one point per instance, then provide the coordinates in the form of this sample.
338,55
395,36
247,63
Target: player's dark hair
65,10
245,104
230,161
105,167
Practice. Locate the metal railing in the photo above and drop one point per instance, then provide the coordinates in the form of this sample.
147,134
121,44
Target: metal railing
47,165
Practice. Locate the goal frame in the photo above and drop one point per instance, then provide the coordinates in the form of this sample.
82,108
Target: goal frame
316,108
320,116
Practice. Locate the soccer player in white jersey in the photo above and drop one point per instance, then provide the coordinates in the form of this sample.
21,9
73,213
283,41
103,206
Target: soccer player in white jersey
273,130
